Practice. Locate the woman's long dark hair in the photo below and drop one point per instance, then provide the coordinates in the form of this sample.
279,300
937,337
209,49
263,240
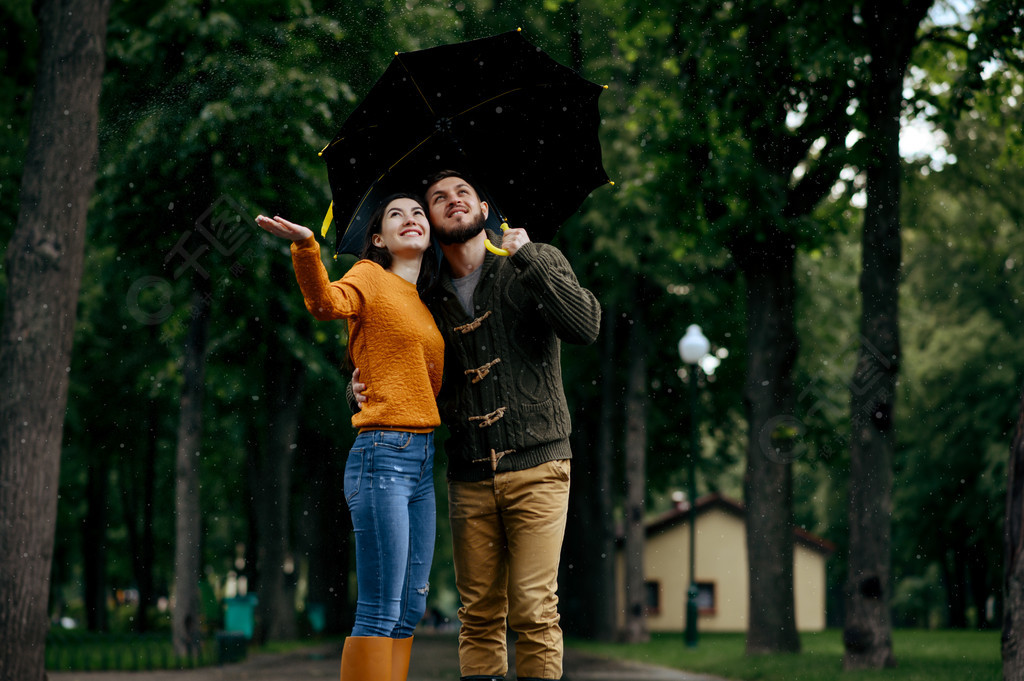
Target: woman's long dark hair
382,256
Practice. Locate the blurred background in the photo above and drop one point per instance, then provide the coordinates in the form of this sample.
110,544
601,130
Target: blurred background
741,137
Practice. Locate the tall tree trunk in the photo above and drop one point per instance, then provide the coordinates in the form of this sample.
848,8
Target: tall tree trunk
94,540
138,494
311,534
867,632
603,504
772,348
1013,559
588,591
187,617
44,270
978,577
272,472
636,483
336,542
145,562
285,379
954,572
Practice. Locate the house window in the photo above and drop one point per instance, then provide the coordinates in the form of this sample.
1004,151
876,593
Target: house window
706,604
652,597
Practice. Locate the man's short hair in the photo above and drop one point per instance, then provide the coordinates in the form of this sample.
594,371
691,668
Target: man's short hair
445,174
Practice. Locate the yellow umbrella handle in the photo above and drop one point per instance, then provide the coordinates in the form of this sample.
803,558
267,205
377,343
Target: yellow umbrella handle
494,249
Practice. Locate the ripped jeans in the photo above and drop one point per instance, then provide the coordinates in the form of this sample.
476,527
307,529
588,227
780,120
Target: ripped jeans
389,488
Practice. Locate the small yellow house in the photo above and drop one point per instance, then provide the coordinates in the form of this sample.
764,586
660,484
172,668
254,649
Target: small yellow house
721,569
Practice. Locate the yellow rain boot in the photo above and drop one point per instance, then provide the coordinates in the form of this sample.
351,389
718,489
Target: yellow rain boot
401,651
366,658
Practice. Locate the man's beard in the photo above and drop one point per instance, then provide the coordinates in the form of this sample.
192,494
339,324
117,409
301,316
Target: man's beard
461,235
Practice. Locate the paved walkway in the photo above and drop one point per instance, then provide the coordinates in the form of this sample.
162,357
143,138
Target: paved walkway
434,658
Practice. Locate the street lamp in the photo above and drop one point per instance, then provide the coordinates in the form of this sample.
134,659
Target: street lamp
693,347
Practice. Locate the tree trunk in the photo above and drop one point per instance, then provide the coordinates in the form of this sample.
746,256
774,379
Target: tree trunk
978,577
772,348
138,494
285,379
187,618
272,472
587,580
636,484
954,573
44,269
867,633
94,540
1013,559
603,503
311,530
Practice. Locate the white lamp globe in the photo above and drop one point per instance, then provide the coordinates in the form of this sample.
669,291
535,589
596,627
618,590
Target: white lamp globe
693,346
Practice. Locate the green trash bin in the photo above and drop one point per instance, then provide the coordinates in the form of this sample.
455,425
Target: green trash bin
232,646
317,614
240,615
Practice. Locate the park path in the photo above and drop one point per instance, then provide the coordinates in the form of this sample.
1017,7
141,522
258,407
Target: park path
434,658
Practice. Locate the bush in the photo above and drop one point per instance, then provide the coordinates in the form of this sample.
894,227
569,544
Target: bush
90,651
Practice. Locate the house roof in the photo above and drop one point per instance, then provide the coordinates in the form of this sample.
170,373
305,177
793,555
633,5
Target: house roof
717,501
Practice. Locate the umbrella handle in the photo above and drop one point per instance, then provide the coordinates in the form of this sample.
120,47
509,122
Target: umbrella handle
494,249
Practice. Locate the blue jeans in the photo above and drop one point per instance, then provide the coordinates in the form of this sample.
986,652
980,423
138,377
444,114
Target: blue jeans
389,488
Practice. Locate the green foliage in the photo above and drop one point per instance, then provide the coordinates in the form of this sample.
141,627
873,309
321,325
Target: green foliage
721,123
84,651
963,369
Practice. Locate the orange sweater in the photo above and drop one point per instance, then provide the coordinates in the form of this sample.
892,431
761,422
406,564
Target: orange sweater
391,337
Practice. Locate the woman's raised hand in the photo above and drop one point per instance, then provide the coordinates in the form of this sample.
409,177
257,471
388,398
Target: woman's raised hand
278,226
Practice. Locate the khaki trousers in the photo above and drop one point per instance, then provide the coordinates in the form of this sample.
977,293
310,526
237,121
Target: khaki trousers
507,539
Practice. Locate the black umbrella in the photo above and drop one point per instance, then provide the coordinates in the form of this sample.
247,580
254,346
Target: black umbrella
519,124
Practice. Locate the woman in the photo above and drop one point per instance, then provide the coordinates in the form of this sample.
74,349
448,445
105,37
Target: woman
389,473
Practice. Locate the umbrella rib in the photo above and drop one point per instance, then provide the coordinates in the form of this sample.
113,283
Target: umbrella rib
398,58
382,175
490,99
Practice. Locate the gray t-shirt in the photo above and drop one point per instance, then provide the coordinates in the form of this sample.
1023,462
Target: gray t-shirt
464,287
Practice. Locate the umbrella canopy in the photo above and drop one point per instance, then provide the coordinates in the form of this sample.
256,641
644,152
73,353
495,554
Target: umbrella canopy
521,126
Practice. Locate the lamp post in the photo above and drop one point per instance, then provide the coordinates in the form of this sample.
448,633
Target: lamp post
693,347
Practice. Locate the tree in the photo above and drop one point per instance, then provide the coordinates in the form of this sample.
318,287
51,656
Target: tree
892,36
188,616
958,343
1013,565
891,30
751,136
635,445
44,267
271,469
209,143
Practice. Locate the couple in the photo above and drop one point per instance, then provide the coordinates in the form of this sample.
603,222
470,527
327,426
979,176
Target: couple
501,320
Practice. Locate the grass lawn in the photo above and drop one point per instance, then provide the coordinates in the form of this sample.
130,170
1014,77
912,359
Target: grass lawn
920,655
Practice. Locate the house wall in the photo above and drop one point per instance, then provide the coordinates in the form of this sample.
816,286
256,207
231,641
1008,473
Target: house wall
721,560
809,588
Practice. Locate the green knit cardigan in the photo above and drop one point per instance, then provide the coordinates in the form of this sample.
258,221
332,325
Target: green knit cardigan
502,397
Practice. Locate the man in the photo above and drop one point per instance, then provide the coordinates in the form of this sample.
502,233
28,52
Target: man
502,319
